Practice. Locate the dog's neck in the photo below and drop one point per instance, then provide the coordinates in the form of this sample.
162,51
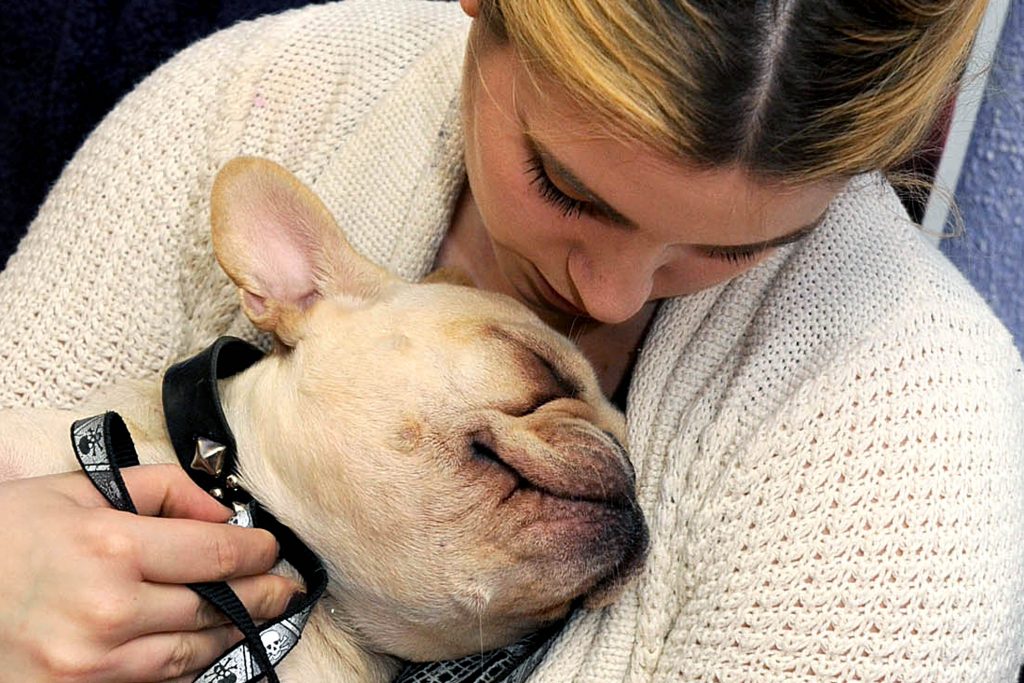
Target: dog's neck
336,656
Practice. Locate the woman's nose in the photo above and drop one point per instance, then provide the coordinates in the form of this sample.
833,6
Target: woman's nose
613,285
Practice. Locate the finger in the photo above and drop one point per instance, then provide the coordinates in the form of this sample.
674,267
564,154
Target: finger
167,491
176,608
187,551
156,490
165,656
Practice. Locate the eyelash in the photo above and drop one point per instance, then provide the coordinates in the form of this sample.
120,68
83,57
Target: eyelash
570,207
733,257
549,192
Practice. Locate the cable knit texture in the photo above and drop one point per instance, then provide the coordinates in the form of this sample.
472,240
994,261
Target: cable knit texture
829,449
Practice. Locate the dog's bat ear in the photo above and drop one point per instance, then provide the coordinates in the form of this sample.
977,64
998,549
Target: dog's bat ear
278,242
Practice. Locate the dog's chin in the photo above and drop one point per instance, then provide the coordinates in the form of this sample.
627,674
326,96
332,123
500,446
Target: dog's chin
586,550
574,554
611,586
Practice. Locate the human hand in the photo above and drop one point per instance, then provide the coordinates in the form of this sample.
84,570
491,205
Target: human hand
93,594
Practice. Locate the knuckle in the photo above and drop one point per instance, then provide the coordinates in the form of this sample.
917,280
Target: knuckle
229,556
92,527
109,613
112,543
182,656
66,664
206,615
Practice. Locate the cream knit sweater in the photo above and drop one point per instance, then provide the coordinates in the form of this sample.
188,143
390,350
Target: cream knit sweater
830,449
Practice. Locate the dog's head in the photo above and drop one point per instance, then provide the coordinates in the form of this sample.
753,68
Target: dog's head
450,457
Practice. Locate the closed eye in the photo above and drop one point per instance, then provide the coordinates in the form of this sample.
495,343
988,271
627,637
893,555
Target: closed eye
541,377
564,387
749,252
570,207
734,255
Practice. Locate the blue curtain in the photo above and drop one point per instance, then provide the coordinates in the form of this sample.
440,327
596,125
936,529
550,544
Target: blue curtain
990,192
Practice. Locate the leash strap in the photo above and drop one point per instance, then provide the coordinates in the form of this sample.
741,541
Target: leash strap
96,442
103,445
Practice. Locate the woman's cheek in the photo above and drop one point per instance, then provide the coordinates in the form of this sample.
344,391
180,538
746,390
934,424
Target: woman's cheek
521,216
694,272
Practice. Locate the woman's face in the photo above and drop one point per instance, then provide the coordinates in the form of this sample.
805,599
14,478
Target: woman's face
585,224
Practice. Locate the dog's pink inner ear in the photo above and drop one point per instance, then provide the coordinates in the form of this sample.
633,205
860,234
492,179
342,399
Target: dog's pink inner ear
280,244
286,263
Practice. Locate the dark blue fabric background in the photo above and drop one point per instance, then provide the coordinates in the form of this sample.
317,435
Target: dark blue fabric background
65,63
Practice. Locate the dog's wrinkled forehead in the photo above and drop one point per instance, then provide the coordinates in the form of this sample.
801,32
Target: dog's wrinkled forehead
449,346
495,325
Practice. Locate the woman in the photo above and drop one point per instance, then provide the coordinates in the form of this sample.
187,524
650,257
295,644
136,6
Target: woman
823,417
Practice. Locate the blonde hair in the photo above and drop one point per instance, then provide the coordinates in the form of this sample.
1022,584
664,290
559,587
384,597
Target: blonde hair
793,90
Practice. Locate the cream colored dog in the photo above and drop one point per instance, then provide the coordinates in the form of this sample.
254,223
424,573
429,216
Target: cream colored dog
449,457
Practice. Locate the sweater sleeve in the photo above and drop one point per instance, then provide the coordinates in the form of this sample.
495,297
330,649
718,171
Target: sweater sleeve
867,531
116,277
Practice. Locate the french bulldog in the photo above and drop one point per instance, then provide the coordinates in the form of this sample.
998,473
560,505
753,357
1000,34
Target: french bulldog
450,458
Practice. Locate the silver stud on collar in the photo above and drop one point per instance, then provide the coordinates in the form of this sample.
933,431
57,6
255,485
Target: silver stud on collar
209,456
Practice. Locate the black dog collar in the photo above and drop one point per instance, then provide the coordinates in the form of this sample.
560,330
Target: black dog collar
205,448
195,419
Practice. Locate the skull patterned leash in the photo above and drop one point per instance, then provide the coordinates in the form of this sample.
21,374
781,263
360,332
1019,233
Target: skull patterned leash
205,448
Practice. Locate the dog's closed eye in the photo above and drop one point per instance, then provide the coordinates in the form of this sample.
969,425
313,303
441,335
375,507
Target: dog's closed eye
541,377
551,378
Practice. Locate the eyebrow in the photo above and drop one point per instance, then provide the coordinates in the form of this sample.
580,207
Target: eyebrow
602,207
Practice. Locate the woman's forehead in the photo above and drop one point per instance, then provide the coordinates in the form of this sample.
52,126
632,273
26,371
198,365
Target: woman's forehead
663,196
667,196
